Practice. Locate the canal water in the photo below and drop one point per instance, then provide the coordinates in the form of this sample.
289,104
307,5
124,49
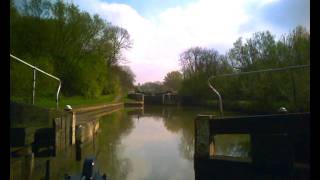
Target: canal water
135,144
156,143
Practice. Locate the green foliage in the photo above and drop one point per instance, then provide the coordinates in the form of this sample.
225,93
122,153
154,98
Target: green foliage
126,78
265,91
82,50
173,80
152,87
198,64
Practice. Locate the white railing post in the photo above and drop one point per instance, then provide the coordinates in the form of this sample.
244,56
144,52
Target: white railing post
34,85
34,79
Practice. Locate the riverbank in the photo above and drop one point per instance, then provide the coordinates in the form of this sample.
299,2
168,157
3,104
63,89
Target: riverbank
74,101
247,106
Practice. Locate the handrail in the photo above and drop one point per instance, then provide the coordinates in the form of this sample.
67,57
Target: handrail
34,76
250,72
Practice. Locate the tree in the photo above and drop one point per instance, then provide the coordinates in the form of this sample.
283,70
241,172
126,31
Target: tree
152,87
119,39
257,52
265,91
173,80
36,8
262,51
126,77
198,64
82,50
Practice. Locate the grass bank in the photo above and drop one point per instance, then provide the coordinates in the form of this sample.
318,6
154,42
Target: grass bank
75,101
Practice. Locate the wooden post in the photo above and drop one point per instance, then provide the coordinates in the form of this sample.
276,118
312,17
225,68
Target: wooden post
202,143
212,145
78,151
202,137
57,130
47,175
79,139
73,128
163,96
142,98
29,162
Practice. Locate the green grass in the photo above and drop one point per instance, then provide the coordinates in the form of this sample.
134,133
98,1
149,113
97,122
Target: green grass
75,101
127,100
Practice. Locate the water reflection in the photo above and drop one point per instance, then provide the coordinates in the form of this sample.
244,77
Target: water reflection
157,144
236,145
153,143
113,128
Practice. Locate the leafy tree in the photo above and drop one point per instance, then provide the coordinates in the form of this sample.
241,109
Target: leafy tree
152,87
264,91
119,39
81,49
173,80
198,64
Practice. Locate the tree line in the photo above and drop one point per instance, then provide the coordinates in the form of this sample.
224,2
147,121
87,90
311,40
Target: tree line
263,92
83,50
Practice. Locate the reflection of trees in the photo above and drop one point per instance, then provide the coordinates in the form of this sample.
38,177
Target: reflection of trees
113,127
232,145
181,120
186,146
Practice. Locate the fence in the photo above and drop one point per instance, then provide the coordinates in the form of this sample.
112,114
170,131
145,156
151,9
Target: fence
35,70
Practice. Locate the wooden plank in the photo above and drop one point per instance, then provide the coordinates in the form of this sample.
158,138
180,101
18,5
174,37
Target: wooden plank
223,167
280,123
202,137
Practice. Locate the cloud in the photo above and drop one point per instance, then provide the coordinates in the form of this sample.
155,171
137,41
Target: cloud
159,39
287,13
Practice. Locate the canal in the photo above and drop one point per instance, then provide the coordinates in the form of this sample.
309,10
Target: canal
152,143
156,143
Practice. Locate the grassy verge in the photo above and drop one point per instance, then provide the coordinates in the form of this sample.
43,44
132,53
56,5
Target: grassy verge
75,101
258,106
127,100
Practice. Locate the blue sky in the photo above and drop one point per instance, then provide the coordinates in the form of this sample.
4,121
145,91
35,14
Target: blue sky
162,29
148,8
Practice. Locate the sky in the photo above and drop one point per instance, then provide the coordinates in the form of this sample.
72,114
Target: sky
162,29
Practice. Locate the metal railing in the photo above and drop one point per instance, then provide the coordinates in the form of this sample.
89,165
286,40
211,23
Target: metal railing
243,73
35,69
